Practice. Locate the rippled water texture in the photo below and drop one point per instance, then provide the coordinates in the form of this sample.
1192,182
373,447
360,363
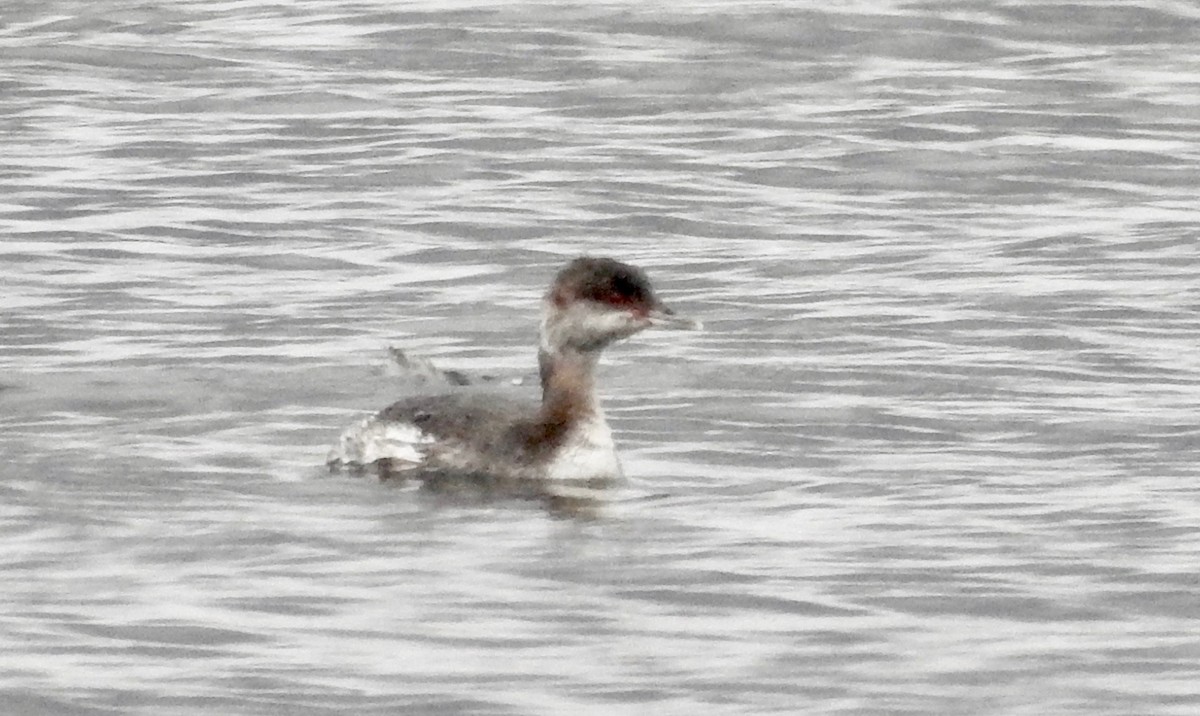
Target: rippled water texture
935,454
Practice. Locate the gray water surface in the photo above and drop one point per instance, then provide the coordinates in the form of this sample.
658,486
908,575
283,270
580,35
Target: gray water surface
936,452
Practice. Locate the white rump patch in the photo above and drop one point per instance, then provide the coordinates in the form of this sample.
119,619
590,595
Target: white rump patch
372,439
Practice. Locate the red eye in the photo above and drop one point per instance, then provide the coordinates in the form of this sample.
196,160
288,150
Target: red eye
634,304
616,298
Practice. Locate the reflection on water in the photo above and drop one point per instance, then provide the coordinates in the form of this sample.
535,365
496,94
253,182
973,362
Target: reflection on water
935,452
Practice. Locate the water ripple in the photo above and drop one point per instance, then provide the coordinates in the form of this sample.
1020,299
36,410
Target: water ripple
935,452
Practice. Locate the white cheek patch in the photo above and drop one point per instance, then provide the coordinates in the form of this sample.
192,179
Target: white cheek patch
371,439
587,324
617,322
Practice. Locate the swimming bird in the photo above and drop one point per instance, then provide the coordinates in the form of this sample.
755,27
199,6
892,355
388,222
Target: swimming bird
592,303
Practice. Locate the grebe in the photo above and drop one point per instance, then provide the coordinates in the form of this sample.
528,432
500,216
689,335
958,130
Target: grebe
592,303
